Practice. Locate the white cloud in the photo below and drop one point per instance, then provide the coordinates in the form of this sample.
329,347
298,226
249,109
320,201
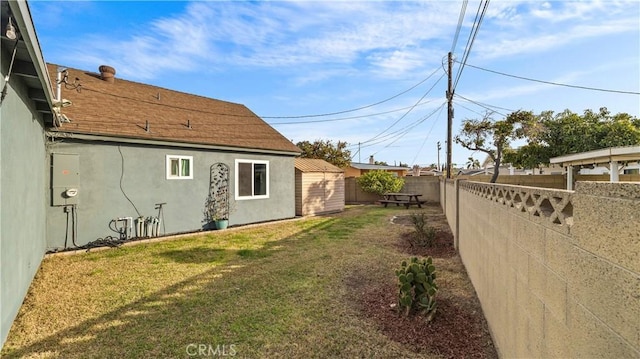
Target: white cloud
547,27
388,35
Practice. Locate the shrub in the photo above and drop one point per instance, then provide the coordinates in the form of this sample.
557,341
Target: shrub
417,286
380,182
425,234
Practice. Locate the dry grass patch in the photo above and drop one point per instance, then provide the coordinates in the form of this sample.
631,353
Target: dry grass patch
291,289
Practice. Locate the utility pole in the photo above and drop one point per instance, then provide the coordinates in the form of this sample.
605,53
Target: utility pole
439,148
449,112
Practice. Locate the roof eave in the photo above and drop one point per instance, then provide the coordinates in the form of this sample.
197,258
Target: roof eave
165,143
22,15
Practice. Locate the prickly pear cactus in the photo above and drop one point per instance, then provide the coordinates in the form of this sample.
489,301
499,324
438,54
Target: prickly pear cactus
417,286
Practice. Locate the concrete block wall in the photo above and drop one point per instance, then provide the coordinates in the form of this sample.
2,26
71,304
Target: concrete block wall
354,194
428,186
557,272
450,200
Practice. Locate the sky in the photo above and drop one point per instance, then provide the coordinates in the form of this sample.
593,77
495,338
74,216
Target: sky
371,73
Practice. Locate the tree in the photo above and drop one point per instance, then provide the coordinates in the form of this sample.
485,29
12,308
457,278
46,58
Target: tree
336,154
529,156
567,132
380,163
493,137
472,163
380,182
620,130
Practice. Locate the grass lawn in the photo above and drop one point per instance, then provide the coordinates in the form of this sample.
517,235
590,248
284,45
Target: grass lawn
291,289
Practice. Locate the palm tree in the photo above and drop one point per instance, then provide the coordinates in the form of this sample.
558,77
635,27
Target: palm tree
472,163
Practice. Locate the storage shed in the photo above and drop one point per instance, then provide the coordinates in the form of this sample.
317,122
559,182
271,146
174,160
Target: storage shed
319,187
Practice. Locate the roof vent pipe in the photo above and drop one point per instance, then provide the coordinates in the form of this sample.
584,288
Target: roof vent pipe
107,73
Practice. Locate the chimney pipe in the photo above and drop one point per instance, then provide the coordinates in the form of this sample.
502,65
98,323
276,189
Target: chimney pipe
371,161
107,73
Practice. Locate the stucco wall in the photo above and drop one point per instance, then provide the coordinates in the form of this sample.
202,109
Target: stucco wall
557,272
144,181
22,193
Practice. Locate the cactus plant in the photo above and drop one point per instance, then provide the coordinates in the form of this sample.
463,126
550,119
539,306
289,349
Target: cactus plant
417,287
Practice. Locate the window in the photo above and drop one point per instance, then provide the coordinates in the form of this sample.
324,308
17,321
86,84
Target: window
252,179
179,167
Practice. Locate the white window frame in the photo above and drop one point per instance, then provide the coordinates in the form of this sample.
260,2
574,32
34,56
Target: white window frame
180,158
237,179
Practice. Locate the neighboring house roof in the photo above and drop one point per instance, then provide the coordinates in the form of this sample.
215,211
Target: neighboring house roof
368,166
127,109
473,172
315,165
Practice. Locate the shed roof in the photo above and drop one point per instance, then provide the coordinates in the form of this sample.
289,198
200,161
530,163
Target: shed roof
315,165
127,109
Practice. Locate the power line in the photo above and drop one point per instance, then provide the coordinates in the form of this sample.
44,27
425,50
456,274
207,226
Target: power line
391,135
348,118
427,136
474,111
395,133
359,108
486,106
555,83
252,115
463,10
472,37
409,128
406,113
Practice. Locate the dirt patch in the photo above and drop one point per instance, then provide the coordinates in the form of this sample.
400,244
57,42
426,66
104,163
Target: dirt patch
443,243
459,329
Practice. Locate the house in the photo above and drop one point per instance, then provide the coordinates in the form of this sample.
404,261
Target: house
87,156
416,170
357,169
26,109
319,187
141,160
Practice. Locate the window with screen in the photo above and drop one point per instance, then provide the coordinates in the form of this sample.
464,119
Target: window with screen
252,179
179,167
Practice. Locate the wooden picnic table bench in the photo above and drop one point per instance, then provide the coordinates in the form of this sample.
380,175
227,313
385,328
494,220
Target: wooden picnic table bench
406,199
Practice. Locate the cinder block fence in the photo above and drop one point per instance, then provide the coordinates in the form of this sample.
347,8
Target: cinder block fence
557,272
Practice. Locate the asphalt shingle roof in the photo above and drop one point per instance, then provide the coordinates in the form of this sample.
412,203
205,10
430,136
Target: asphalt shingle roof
315,165
124,108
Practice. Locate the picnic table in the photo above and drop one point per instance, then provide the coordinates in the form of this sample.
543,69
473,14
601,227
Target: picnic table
406,199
